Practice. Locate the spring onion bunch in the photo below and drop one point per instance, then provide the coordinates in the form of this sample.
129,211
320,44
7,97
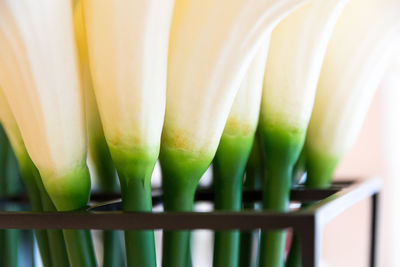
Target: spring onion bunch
212,45
361,48
128,49
42,86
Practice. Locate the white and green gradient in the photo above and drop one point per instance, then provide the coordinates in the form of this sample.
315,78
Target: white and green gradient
359,52
233,152
128,50
297,50
40,75
298,46
244,114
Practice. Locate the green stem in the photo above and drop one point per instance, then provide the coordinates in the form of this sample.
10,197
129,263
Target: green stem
189,252
27,171
41,235
11,247
112,254
320,169
10,185
254,178
103,165
105,173
71,192
276,198
57,245
181,170
58,250
80,248
13,175
12,244
229,166
176,243
228,196
140,247
44,248
2,248
294,257
4,147
282,148
247,248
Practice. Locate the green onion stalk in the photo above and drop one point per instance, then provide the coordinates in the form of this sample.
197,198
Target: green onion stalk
128,49
103,168
249,240
203,79
341,104
297,49
40,77
233,152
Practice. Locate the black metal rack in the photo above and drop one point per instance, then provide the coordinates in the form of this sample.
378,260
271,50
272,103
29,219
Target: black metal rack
308,223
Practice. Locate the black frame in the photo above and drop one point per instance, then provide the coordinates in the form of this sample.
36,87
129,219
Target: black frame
308,223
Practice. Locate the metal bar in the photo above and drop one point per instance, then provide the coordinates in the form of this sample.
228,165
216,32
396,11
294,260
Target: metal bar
305,195
299,193
309,236
143,221
245,220
374,229
334,205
